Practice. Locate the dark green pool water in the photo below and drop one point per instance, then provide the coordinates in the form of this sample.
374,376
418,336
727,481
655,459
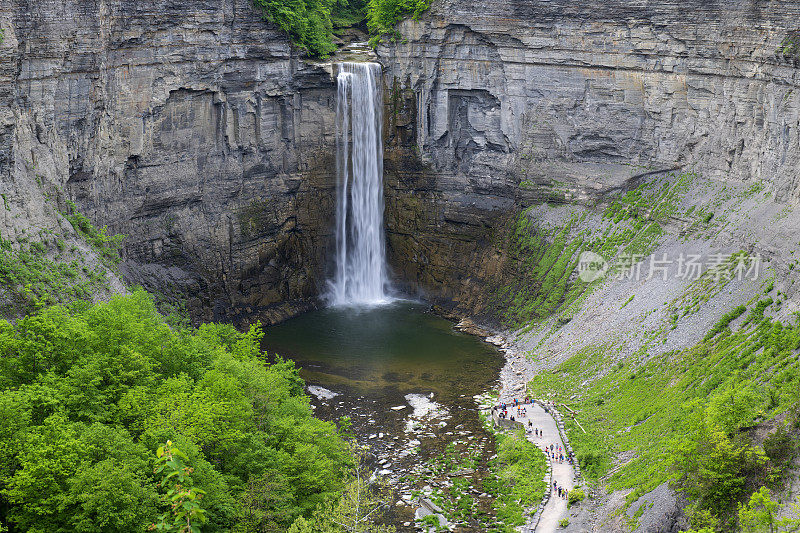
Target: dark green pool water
400,346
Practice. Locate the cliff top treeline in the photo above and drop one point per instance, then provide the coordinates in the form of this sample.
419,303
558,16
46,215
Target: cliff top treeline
311,23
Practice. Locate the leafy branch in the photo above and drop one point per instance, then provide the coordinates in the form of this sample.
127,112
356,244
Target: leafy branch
185,514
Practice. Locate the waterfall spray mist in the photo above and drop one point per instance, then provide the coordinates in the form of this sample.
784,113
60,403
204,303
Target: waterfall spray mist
360,277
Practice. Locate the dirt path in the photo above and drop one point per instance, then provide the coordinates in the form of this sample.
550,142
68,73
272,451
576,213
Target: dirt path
563,473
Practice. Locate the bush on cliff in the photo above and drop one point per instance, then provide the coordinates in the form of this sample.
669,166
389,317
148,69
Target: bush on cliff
308,22
383,15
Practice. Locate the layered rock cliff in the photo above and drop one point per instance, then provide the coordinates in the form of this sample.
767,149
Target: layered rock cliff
197,130
192,127
497,104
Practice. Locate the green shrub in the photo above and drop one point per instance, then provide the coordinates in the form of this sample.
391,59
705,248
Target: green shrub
576,496
790,46
591,461
108,246
383,15
756,314
726,319
781,448
308,22
517,480
346,13
564,522
38,247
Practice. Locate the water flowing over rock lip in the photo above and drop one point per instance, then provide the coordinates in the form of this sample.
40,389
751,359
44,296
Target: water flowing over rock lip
360,275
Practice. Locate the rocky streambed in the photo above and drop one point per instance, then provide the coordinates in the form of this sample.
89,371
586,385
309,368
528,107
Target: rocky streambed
413,387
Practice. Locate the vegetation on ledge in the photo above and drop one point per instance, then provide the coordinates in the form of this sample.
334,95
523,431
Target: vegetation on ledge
51,267
547,258
311,23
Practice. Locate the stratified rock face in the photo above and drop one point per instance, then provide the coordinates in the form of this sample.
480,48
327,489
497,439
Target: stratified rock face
571,99
191,127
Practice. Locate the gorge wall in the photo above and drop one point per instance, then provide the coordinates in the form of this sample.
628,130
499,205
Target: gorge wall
199,132
496,105
192,127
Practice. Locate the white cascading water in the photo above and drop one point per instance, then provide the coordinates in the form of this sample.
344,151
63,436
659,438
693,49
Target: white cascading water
360,277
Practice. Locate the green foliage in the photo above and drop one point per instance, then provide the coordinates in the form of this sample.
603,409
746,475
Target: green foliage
90,391
71,476
383,15
266,504
790,46
726,319
576,496
108,246
759,512
563,523
308,22
713,462
32,279
547,258
696,425
184,514
37,272
781,449
346,13
756,314
361,505
518,478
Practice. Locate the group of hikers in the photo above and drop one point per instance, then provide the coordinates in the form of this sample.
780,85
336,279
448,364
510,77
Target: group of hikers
556,453
562,492
519,405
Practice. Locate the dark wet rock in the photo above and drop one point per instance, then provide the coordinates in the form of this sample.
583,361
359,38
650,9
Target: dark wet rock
496,106
194,128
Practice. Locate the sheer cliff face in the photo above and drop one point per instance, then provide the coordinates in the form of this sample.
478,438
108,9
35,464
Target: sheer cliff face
194,128
191,127
575,98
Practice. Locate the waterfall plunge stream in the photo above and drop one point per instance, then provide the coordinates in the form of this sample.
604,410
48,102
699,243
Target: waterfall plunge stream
360,276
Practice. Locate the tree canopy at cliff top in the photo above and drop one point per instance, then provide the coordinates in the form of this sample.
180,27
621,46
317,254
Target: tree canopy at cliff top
311,23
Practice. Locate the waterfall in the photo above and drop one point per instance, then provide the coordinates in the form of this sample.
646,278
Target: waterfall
360,276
